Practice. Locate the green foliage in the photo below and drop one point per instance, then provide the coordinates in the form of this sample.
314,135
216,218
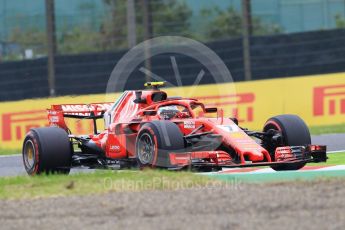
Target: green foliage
168,16
225,24
78,40
260,28
113,30
228,23
339,21
32,38
11,57
70,41
171,17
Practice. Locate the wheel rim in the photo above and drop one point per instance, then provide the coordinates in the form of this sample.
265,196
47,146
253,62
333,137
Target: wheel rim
270,146
29,154
145,148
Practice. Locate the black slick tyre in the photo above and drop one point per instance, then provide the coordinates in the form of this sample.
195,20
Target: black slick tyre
155,140
47,150
294,133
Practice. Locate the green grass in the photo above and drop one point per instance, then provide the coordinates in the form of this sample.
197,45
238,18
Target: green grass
333,159
105,181
9,151
317,130
25,187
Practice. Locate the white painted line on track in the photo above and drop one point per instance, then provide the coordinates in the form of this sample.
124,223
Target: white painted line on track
269,171
338,151
11,155
335,167
264,170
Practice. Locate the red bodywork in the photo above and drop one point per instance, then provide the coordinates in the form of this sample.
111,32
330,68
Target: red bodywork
124,118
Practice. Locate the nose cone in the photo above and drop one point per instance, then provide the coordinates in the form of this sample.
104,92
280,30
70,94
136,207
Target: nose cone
254,155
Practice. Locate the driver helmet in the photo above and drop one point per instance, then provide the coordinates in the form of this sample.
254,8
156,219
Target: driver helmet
168,112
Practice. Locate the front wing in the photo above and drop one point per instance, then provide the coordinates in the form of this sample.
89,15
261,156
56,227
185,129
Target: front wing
216,159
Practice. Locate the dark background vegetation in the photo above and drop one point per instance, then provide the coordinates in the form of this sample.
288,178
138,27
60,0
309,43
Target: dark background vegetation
87,54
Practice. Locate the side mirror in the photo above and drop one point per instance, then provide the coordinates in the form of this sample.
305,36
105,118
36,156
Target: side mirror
150,112
211,110
138,99
234,119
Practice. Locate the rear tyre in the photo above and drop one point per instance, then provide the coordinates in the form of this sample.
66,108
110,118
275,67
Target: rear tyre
47,150
294,133
155,140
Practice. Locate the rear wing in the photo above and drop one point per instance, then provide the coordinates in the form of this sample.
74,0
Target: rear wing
94,111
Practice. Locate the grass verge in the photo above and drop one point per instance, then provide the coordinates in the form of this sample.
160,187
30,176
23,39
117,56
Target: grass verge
333,159
9,151
25,187
318,130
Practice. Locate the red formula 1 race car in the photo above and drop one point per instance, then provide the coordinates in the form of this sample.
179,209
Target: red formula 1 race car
149,129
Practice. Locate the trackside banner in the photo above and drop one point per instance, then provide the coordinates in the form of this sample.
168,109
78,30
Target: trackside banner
319,100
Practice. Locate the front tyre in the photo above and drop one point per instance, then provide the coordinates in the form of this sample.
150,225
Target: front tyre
47,150
146,148
155,140
294,132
